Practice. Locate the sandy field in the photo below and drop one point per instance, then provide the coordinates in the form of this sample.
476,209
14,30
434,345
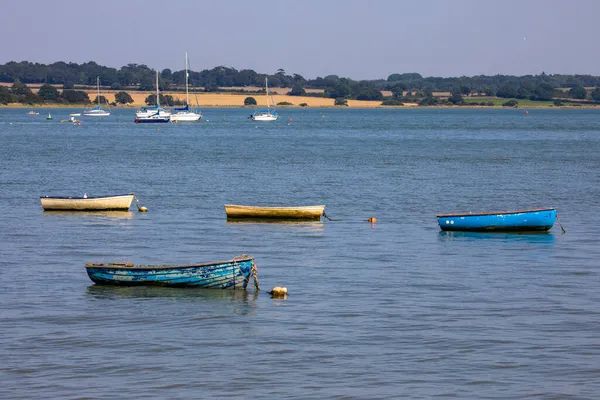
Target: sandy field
226,99
237,100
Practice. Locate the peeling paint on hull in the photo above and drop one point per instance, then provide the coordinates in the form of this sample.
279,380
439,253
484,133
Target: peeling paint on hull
220,274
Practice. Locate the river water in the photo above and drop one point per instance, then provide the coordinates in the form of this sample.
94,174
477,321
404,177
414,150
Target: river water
395,309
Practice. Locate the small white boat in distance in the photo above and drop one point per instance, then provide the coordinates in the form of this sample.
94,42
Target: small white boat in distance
85,203
96,111
184,114
268,114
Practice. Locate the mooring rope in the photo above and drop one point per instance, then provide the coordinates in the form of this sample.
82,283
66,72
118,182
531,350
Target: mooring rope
372,220
326,216
254,274
559,224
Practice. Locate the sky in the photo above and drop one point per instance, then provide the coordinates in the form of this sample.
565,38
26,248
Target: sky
367,39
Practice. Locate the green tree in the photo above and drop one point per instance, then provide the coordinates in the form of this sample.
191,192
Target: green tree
303,105
340,101
147,83
596,94
31,98
165,100
507,91
103,100
116,86
543,91
398,90
48,92
455,99
168,100
578,92
19,89
369,93
340,90
428,101
488,91
5,96
464,90
510,103
74,96
123,98
249,101
297,90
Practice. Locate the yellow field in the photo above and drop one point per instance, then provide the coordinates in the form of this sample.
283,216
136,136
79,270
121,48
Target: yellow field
226,99
237,100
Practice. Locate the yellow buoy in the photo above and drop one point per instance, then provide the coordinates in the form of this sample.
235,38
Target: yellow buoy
278,291
372,220
143,209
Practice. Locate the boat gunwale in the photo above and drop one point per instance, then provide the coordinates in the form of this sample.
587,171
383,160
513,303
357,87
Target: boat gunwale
86,198
494,213
131,266
275,207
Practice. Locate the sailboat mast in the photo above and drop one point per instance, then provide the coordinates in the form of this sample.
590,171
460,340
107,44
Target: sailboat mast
267,88
187,99
157,96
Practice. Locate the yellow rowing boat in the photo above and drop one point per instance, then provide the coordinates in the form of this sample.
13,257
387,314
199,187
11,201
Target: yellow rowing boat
235,211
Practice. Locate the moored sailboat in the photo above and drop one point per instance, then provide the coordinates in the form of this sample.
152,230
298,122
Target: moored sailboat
96,111
268,114
185,114
154,114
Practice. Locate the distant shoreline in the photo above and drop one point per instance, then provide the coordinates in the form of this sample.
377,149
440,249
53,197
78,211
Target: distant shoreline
228,100
377,106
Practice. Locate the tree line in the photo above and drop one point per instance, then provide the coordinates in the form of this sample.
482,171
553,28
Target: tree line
21,93
140,77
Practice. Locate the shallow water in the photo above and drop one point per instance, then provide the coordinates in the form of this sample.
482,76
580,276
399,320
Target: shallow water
394,309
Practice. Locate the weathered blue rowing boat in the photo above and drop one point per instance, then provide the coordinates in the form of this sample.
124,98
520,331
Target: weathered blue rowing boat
234,274
534,220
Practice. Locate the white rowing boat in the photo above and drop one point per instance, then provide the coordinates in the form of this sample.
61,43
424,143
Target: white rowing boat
85,203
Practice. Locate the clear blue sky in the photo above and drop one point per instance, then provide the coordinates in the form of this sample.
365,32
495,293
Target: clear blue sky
359,39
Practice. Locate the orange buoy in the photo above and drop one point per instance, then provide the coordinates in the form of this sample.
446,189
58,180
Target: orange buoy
372,220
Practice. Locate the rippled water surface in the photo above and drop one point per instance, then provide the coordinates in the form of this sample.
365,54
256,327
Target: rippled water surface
391,310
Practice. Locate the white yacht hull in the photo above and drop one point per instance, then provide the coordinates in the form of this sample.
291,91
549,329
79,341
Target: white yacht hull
186,117
264,117
95,114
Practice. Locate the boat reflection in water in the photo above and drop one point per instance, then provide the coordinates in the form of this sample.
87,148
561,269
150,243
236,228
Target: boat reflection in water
529,237
219,301
245,221
111,292
312,226
92,214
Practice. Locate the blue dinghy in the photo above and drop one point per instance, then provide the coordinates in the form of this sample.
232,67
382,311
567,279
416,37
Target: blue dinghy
231,274
534,220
